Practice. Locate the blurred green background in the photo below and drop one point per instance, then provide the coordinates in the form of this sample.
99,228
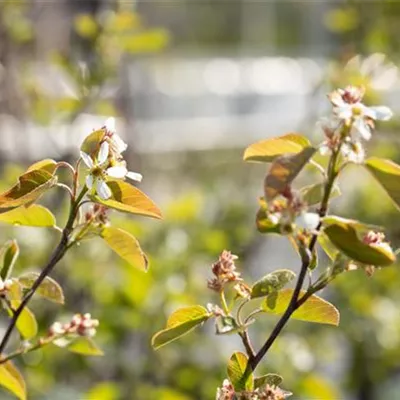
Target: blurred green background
192,83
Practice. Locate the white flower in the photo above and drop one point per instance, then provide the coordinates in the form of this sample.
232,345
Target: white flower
226,392
96,176
120,172
308,221
361,115
116,143
57,329
353,151
98,172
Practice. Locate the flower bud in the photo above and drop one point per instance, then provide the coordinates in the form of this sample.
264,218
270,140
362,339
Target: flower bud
57,329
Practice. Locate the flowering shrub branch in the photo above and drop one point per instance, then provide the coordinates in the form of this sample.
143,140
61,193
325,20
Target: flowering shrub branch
104,186
301,215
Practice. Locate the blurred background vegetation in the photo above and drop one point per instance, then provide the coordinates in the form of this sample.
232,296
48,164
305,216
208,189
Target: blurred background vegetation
192,83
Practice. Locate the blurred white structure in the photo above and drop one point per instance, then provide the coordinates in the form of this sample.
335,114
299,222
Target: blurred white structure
195,103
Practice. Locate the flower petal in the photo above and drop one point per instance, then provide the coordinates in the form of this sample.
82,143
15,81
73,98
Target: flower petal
102,189
308,221
336,98
380,113
110,124
343,112
324,149
117,172
135,176
361,127
103,153
89,181
353,152
87,159
120,145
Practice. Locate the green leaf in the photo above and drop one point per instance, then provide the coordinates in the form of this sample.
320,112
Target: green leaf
12,380
47,165
86,346
313,194
329,248
347,236
272,282
34,215
91,144
30,187
126,246
268,379
49,288
387,173
315,309
360,226
130,199
268,150
180,322
263,223
284,170
15,291
9,253
236,372
26,322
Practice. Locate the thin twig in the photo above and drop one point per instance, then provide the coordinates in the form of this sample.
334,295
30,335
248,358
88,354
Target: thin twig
24,350
54,259
252,314
66,165
295,303
57,255
223,302
67,189
247,344
245,334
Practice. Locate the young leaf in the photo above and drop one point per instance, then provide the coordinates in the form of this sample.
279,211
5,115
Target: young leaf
49,288
268,379
347,236
30,187
180,322
315,309
91,144
15,291
130,199
387,173
126,246
26,322
329,248
268,150
9,252
313,194
236,372
12,380
283,171
47,165
272,282
34,215
86,346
